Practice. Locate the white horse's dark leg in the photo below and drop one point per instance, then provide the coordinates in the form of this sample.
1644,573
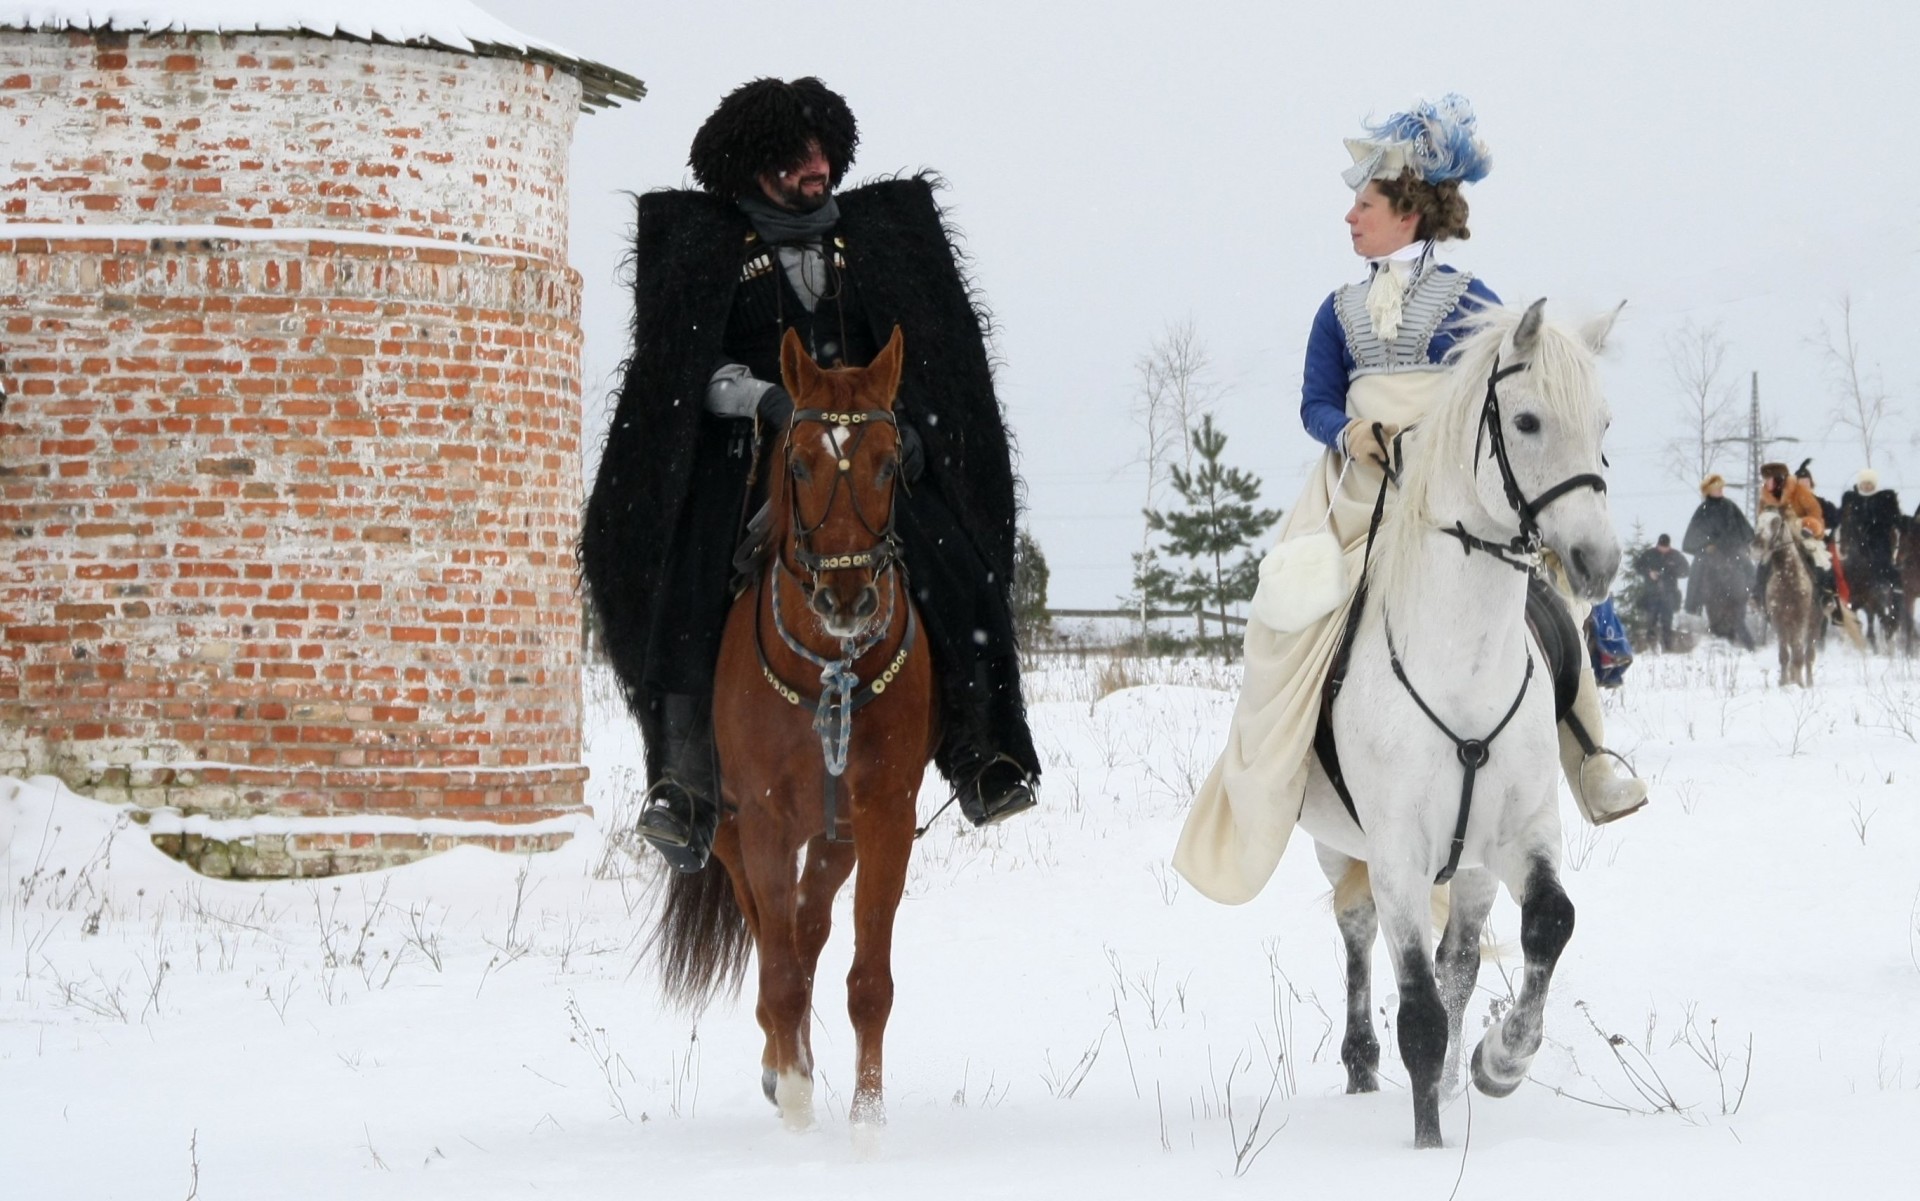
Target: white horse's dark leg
1501,1060
1353,910
1457,962
1423,1040
1407,920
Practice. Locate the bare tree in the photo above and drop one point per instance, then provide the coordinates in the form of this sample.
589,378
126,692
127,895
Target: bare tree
1174,387
1859,397
1709,408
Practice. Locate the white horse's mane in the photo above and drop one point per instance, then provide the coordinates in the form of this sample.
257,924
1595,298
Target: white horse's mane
1560,379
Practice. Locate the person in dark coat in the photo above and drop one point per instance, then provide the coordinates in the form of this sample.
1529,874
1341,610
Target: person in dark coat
1719,538
768,245
1662,567
1870,522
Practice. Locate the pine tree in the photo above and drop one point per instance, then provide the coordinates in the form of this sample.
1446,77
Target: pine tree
1030,574
1630,602
1219,523
1153,588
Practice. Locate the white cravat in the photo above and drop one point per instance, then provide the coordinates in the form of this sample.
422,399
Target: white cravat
1387,294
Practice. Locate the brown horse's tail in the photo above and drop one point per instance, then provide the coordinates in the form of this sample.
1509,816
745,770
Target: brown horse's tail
701,939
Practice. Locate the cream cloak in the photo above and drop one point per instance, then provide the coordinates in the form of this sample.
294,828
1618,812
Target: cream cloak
1246,809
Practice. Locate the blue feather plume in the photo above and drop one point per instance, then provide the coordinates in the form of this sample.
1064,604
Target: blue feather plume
1443,138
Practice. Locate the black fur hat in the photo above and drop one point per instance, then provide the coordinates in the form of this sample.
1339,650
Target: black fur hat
765,126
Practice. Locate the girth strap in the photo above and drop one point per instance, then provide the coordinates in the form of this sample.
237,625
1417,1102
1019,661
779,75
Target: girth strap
1324,745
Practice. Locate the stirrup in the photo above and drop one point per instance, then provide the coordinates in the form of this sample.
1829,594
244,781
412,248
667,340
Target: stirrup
679,823
1018,798
1586,808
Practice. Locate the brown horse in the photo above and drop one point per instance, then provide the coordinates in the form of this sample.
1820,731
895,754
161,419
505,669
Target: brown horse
1873,580
1790,602
1906,561
828,610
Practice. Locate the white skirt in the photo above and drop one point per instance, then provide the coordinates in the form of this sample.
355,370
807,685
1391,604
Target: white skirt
1246,810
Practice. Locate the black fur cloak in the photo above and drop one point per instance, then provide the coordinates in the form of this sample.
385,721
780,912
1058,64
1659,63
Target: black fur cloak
1868,523
1718,537
687,257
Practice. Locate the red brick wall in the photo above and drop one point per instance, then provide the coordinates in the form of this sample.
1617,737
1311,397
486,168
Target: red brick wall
288,521
285,131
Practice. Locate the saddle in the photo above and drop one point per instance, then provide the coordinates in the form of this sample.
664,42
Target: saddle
1551,625
751,555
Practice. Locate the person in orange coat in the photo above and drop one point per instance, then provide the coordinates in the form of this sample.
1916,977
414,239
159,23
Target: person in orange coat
1779,490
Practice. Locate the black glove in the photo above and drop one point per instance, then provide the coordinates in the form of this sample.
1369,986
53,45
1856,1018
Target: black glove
775,408
913,453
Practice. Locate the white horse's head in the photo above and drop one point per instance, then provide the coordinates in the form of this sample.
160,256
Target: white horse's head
1513,453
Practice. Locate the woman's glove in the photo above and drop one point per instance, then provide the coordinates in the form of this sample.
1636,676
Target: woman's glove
775,408
1369,440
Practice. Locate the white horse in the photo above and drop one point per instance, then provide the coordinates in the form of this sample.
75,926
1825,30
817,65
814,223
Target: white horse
1443,674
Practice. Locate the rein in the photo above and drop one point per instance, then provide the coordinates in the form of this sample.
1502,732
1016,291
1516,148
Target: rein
841,692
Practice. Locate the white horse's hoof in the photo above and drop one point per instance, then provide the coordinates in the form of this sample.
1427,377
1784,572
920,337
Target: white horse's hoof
1487,1082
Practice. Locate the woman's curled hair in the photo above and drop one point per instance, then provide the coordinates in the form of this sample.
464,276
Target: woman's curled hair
1442,209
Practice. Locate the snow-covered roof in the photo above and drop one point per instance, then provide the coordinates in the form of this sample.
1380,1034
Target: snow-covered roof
457,25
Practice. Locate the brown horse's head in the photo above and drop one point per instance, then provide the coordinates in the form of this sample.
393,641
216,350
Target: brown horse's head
841,456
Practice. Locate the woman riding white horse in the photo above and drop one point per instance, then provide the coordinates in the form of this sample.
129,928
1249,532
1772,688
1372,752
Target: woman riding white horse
1377,360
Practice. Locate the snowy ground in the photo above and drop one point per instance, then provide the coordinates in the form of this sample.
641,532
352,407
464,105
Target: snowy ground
1070,1015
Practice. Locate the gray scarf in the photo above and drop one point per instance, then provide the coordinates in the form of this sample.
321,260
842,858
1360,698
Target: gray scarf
777,225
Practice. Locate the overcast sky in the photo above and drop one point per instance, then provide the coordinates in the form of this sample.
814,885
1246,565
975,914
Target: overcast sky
1120,166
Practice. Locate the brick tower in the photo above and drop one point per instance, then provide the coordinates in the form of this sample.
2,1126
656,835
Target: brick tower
290,443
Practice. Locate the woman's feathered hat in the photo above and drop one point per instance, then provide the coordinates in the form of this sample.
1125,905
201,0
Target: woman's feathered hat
1436,141
765,125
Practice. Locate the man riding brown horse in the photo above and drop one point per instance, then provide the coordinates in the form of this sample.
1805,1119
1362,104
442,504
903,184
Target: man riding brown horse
720,275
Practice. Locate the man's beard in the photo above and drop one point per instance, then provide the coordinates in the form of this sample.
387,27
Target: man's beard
791,197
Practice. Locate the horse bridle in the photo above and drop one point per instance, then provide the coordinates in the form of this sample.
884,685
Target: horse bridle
885,548
842,693
1521,552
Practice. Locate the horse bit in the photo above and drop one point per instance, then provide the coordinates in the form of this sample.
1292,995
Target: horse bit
841,694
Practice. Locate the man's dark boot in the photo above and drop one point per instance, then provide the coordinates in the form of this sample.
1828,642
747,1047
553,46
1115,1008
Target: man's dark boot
683,806
999,790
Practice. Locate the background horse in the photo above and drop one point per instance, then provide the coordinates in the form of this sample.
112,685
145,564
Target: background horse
1791,606
829,610
1906,558
1873,578
1446,693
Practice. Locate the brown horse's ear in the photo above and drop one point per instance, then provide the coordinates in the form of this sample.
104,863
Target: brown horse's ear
884,371
798,372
